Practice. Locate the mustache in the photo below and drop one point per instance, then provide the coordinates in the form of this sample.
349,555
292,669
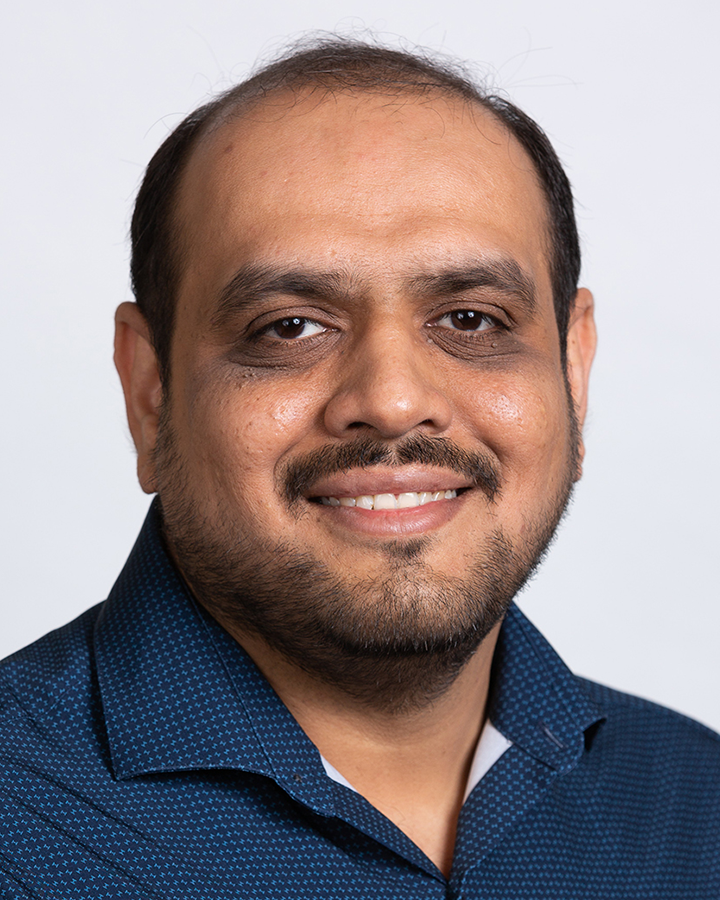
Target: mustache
300,474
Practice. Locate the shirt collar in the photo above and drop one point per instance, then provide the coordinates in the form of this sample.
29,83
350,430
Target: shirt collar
178,693
535,700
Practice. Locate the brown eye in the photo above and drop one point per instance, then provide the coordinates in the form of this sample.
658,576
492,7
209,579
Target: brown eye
466,320
294,327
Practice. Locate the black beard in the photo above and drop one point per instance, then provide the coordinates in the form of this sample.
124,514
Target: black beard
393,644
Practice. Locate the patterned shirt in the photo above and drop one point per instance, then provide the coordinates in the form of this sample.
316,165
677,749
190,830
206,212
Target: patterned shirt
143,755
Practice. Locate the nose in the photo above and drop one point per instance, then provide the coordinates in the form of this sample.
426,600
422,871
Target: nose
389,384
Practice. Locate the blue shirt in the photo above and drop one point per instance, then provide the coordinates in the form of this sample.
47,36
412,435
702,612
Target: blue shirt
142,754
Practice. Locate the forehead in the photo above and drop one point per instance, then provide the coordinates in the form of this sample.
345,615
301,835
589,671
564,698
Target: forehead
367,182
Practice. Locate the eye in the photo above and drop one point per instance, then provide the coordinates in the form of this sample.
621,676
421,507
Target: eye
293,328
466,320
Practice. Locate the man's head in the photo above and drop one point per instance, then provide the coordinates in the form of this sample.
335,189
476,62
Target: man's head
365,284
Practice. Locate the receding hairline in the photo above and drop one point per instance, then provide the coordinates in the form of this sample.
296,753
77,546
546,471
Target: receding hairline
302,89
287,97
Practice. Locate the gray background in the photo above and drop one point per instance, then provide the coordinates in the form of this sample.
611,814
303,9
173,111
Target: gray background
628,91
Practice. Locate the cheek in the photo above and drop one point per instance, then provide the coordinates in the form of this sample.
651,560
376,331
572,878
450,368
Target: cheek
242,434
525,423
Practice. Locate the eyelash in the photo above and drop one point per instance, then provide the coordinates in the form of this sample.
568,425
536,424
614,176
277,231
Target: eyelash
491,323
292,321
470,315
262,346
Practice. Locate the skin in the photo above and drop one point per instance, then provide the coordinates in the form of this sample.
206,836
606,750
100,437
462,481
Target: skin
382,192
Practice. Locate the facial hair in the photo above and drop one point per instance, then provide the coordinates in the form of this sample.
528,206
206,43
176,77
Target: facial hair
394,643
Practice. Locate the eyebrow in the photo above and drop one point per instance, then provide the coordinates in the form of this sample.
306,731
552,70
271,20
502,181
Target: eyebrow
502,275
255,281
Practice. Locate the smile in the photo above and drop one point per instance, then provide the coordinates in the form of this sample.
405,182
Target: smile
406,500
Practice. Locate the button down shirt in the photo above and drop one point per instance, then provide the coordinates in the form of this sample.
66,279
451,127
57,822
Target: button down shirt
142,754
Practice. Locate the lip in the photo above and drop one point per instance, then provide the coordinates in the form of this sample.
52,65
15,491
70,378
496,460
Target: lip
388,481
385,523
392,522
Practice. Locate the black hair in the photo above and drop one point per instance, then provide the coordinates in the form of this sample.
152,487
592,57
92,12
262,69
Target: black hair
331,64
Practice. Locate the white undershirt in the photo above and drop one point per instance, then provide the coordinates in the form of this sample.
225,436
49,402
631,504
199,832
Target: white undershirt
490,747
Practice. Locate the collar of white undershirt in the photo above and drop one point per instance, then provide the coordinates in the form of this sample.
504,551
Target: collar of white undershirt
490,747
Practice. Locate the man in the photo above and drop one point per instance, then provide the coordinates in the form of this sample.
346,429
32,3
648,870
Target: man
356,377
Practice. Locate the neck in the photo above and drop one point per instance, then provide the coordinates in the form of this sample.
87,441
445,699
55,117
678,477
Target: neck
412,763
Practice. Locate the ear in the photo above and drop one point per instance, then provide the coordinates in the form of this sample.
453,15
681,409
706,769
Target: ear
139,372
581,344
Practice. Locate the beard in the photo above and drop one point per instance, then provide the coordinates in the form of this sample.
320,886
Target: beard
395,642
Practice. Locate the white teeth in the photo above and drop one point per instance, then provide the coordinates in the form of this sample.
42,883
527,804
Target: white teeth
406,500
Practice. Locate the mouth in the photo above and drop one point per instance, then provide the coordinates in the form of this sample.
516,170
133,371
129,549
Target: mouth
385,501
404,500
392,510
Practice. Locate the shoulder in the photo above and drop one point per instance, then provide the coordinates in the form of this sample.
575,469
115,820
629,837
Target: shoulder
656,768
635,721
49,658
47,688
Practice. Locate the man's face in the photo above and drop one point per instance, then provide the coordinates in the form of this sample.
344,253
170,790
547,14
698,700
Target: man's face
364,321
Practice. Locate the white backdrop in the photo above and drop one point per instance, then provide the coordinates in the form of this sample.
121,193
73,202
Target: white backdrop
627,90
